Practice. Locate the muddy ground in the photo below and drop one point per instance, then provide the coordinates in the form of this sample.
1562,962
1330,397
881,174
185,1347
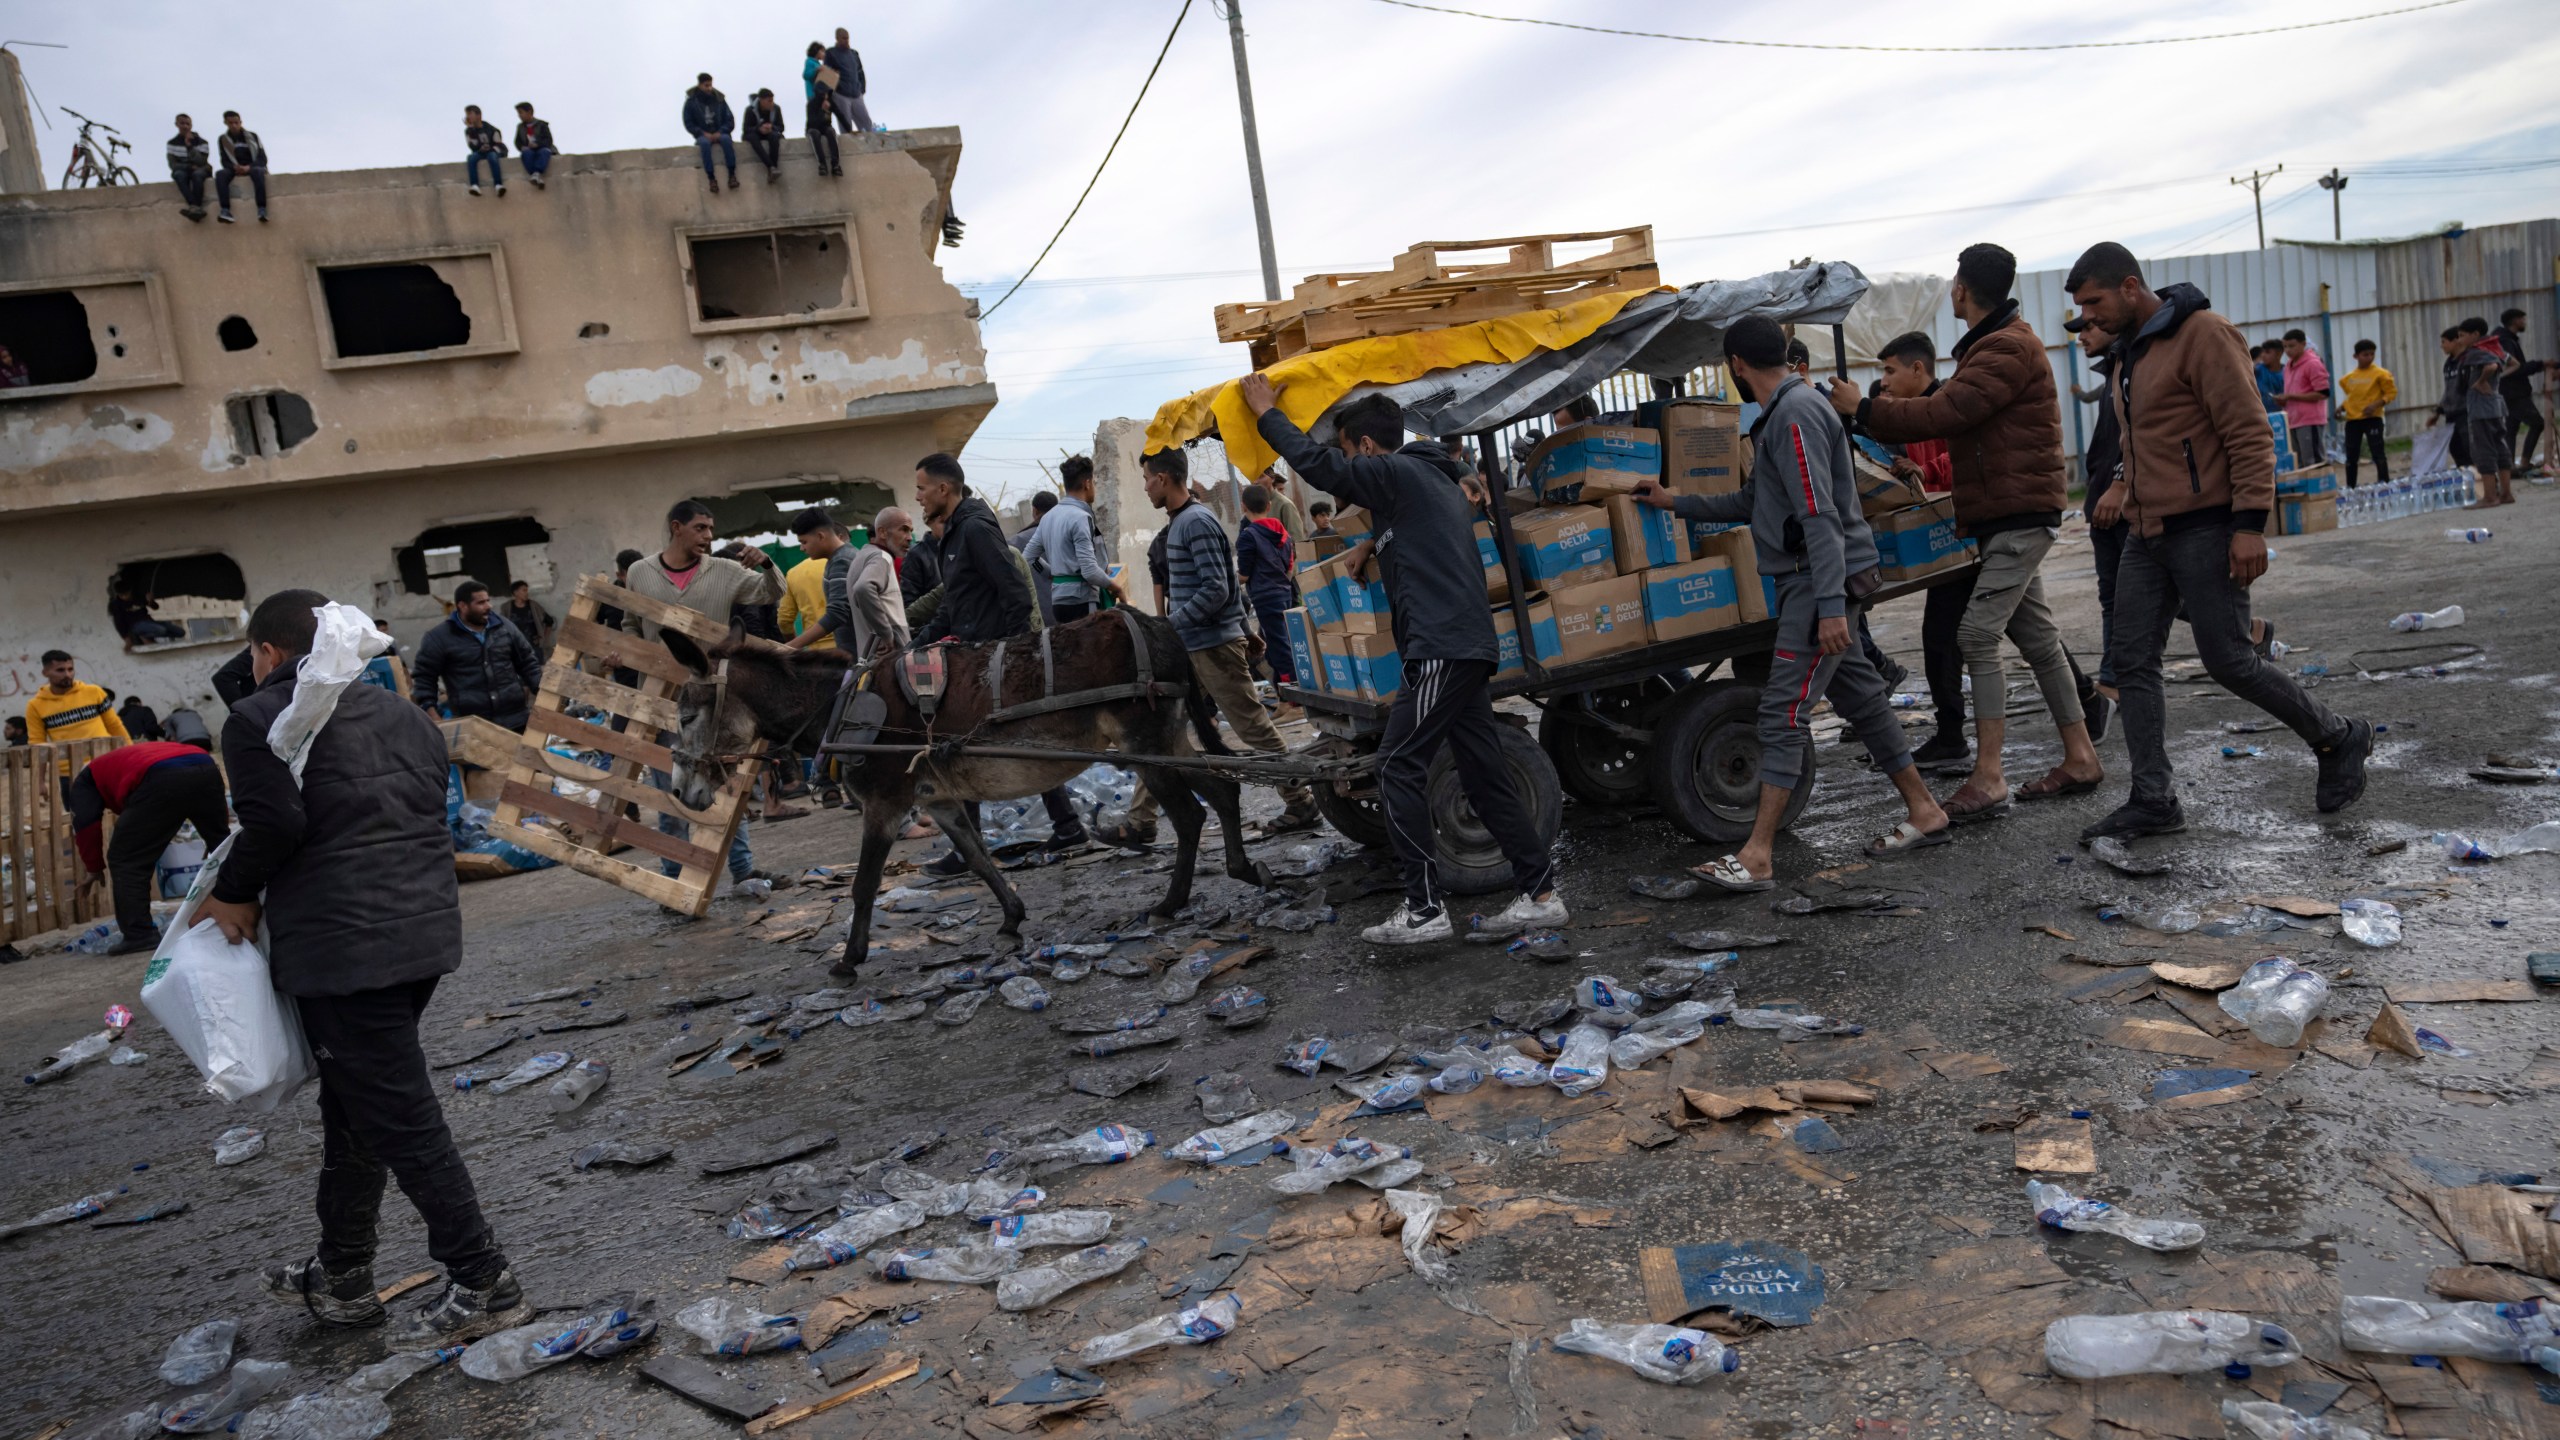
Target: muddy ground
1994,1002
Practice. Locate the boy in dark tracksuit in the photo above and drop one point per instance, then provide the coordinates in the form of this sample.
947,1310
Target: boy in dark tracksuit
1426,544
1810,538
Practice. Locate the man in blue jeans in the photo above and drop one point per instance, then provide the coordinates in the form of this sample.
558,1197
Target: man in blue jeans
708,120
533,144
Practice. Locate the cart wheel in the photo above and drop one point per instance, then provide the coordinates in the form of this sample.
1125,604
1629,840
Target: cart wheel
1471,860
1593,764
1706,762
1358,817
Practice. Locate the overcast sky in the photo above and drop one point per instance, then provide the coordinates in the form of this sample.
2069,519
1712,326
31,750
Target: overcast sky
1382,126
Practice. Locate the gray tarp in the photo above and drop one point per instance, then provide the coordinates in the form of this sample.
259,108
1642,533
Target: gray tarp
1662,334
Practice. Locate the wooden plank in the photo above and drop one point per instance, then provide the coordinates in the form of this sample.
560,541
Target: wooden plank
692,623
579,733
644,881
477,740
646,656
609,826
577,686
900,1367
648,797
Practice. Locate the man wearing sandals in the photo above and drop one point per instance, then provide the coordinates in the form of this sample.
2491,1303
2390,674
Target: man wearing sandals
1810,539
2002,420
2198,480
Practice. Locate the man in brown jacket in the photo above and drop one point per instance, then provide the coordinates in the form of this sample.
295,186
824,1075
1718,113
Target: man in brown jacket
2002,421
2197,482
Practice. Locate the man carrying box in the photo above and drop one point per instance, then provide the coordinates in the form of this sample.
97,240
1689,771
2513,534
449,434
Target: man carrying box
1802,502
1425,537
2002,419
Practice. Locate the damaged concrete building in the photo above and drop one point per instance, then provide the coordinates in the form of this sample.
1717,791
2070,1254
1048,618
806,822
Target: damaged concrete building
396,385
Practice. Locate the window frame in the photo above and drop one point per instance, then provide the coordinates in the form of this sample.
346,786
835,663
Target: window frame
857,308
326,331
154,293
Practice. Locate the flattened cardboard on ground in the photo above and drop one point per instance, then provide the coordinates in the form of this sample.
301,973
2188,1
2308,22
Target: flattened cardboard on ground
2167,1405
2001,1292
2487,1282
2346,1050
2056,1145
2544,1072
2165,1037
2200,1009
2450,992
2493,1225
2213,975
1757,1278
2299,906
1963,1064
704,1386
2392,1031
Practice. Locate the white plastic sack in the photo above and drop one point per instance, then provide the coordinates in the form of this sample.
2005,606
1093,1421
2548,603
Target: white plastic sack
217,998
2431,450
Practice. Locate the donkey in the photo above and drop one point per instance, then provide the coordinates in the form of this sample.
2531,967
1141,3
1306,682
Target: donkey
785,697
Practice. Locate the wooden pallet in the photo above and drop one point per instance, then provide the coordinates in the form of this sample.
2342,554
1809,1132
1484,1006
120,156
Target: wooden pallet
1437,284
37,849
583,833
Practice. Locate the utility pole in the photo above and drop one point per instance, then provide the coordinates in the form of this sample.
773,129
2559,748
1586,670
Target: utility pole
1253,152
2336,185
2257,183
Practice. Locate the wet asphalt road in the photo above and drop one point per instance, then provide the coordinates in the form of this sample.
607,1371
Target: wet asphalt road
1339,1338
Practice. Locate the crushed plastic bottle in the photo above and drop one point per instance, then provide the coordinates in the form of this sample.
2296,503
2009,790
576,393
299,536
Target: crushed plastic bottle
1633,1049
319,1415
2539,839
855,1233
1584,1065
1306,1055
2063,1210
1224,1096
2477,1328
74,1055
1315,1170
2163,1342
1606,1002
1685,1014
1183,977
2473,536
1238,1006
392,1371
2267,1420
1457,1079
514,1354
1057,1227
1515,1069
1672,1354
960,1009
992,1200
1040,1284
127,1055
239,1145
2444,619
2370,922
947,1264
98,939
200,1353
1101,1145
2276,998
1421,1212
576,1087
726,1325
1697,966
549,1062
250,1382
2176,918
1793,1024
875,1012
1197,1325
1024,993
2461,849
755,887
1384,1092
80,1209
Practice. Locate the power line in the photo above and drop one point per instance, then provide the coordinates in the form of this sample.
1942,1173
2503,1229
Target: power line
1919,49
1116,138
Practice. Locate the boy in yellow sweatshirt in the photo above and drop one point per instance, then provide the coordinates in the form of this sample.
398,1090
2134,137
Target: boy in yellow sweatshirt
2368,391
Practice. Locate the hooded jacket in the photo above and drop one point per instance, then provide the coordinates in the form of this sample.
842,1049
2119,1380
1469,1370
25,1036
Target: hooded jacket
1262,559
707,111
983,596
2197,450
2002,420
1802,502
491,672
1426,532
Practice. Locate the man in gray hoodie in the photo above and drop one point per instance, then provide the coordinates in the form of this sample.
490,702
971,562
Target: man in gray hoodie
1810,538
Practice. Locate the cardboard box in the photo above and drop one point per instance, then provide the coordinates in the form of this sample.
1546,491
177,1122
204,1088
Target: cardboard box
1881,492
1497,579
1333,648
1374,661
1593,462
1364,603
1919,540
1542,637
2306,514
1325,544
1600,619
1702,447
1691,599
1320,589
1304,658
1566,546
1646,537
1756,595
2310,480
1352,524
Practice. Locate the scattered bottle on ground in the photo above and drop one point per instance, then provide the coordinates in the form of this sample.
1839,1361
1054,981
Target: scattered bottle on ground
2163,1342
2276,998
1315,1170
2473,536
1056,1227
514,1354
74,1055
2176,918
250,1382
98,939
853,1234
319,1415
1101,1145
1515,1069
1607,1002
1040,1284
1672,1354
1024,993
2477,1328
576,1087
2063,1210
1383,1093
726,1325
200,1353
1584,1065
127,1055
1238,1006
549,1062
1633,1049
947,1264
1458,1079
1224,1096
1197,1325
2369,922
2267,1420
80,1209
392,1371
239,1144
2444,619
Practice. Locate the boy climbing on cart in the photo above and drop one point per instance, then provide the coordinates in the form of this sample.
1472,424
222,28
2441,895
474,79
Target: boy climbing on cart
1802,505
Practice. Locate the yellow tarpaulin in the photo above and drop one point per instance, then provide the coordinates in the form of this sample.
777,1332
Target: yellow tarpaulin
1310,383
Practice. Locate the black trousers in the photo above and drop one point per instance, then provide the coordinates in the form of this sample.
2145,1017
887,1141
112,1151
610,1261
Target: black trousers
2363,434
822,145
1068,611
1443,703
167,797
768,148
379,1116
2527,420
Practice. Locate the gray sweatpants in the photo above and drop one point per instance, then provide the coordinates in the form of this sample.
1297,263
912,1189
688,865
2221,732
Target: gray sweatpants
1800,674
2008,599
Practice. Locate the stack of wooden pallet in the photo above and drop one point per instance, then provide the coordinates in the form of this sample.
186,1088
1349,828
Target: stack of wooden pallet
40,871
1437,284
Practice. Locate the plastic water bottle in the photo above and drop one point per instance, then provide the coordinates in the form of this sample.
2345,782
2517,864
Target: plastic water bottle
1672,1354
726,1325
2275,999
1344,1158
2474,536
1037,1285
2444,619
2173,919
2267,1420
1605,1002
1058,1227
1701,966
98,939
2063,1210
1633,1049
1684,1015
1225,1097
2461,849
1210,1146
2163,1342
549,1062
1197,1325
250,1382
1584,1065
72,1056
947,1264
1515,1069
1023,993
853,1234
1458,1079
199,1354
2477,1328
1792,1024
514,1354
319,1415
2374,923
1101,1145
582,1081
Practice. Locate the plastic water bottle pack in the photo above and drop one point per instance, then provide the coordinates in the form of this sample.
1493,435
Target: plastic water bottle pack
2276,998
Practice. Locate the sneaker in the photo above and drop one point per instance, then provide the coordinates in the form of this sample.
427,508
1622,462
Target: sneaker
949,863
1945,747
344,1298
2342,767
1528,912
1894,673
262,214
715,187
835,172
224,217
136,943
1409,926
502,192
1294,822
460,1314
733,179
772,176
475,189
2133,819
538,183
2095,708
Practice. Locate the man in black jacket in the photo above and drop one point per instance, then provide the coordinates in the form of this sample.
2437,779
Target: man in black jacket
851,85
1426,544
485,665
352,869
983,596
708,120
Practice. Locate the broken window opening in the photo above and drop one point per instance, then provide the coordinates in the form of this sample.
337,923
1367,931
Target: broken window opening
392,310
594,330
778,274
235,334
271,422
442,557
46,334
178,600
